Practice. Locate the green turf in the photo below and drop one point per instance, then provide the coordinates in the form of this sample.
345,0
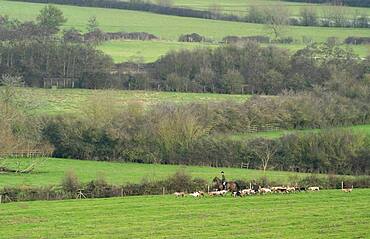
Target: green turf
324,214
145,51
364,129
52,170
59,101
168,27
241,7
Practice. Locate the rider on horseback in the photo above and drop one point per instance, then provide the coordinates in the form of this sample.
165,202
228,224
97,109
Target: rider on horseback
223,180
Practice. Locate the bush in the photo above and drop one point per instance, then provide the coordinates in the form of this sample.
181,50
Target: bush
357,40
70,182
193,37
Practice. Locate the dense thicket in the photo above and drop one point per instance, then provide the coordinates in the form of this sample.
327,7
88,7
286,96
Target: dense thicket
190,135
254,69
30,50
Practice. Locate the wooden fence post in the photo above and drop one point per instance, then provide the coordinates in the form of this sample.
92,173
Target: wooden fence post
163,190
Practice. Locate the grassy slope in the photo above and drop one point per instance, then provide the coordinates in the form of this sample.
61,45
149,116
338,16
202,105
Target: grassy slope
364,129
52,170
241,7
59,101
168,27
145,51
325,214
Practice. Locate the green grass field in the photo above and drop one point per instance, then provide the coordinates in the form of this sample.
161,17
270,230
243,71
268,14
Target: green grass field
52,170
60,101
145,51
241,7
168,27
324,214
364,129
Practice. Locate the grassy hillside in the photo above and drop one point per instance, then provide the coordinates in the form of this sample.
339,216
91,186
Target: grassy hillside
241,7
168,27
59,101
325,214
145,51
364,129
52,170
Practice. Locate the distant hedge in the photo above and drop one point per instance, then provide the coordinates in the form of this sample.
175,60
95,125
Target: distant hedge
352,3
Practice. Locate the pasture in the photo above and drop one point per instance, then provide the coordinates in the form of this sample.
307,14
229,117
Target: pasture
363,129
145,51
168,27
241,7
52,170
324,214
60,101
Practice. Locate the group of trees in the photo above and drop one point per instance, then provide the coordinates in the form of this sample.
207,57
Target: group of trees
195,134
34,51
255,69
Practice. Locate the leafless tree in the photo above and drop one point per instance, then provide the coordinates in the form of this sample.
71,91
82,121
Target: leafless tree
276,21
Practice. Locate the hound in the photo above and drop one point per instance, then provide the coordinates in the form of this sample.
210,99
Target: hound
179,194
313,189
347,190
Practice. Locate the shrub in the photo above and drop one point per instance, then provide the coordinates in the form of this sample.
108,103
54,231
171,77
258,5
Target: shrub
70,182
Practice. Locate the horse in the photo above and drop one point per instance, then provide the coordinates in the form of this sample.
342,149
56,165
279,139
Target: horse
230,186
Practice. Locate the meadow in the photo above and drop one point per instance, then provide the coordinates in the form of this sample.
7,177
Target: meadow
61,101
241,7
363,129
324,214
145,51
168,27
51,171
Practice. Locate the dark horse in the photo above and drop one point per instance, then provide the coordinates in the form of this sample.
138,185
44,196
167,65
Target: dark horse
230,186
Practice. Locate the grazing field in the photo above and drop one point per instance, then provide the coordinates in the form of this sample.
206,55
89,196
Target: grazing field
60,101
145,51
52,170
168,27
241,7
324,214
364,129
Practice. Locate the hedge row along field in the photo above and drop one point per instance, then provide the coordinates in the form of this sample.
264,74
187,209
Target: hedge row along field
324,214
52,170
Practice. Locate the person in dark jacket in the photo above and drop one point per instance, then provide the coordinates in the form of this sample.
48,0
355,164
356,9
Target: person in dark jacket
223,180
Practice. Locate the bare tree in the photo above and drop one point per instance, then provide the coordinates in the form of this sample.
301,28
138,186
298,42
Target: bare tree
264,150
276,19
